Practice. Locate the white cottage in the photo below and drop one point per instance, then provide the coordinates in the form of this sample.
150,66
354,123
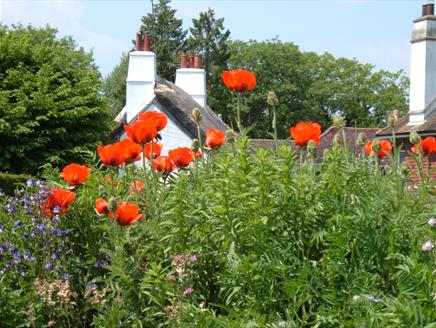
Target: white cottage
146,91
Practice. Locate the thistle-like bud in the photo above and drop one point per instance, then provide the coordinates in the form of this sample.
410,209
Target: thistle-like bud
375,145
311,148
101,190
361,139
272,99
404,168
230,136
393,118
196,115
195,146
338,121
112,204
414,138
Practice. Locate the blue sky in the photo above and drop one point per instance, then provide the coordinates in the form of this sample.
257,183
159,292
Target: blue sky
373,31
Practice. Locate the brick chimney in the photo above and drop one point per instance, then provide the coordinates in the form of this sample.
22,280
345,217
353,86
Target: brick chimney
423,66
191,77
141,76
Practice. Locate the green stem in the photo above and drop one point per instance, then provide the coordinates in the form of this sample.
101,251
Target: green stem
238,112
199,139
274,122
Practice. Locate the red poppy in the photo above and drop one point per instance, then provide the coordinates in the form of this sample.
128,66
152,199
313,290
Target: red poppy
141,131
158,120
58,199
131,150
215,138
75,174
163,163
304,132
181,156
239,80
428,146
101,206
127,213
385,148
111,155
157,149
136,186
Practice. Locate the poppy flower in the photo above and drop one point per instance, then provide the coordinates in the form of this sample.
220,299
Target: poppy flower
130,149
75,174
111,155
385,148
163,163
215,138
239,80
303,132
101,206
127,213
141,131
157,149
157,119
136,186
181,156
428,146
58,199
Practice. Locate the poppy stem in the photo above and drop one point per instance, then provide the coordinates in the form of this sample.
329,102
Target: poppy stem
238,112
199,138
274,123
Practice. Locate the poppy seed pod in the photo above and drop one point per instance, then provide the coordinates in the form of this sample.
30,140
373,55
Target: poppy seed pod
414,138
361,139
338,121
272,99
196,115
112,204
101,190
195,146
392,120
375,145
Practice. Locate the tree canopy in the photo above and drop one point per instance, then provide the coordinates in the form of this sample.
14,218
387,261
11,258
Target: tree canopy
51,106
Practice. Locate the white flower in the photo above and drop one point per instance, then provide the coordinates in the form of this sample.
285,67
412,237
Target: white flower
432,222
427,246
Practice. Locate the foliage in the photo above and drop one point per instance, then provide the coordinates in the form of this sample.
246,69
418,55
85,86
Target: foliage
241,238
10,181
51,108
313,87
167,35
114,86
209,38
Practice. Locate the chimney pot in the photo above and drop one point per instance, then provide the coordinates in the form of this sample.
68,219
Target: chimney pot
191,60
184,61
430,9
147,42
138,43
198,61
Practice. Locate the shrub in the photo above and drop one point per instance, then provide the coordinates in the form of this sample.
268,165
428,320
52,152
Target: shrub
10,181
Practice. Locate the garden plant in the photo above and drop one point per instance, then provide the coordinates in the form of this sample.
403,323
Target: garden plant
222,235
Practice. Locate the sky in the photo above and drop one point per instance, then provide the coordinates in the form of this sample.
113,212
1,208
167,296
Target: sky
373,31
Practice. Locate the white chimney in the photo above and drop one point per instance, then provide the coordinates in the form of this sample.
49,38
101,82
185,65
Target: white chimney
191,77
141,76
423,67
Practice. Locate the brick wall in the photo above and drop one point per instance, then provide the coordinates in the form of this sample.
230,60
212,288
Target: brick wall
414,175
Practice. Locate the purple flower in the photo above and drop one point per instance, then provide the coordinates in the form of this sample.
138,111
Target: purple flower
3,271
66,276
26,236
2,228
28,212
91,285
17,225
57,209
15,252
100,264
23,273
48,266
30,182
193,258
188,291
427,246
26,255
54,256
41,227
1,192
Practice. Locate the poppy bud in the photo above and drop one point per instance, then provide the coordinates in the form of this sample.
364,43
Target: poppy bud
375,145
338,121
101,190
230,136
196,115
195,146
405,169
414,138
392,120
272,99
361,139
112,204
311,148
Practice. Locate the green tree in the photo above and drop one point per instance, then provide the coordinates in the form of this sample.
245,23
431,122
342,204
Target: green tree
209,38
51,107
114,85
167,35
313,87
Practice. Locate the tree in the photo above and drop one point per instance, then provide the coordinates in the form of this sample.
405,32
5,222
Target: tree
210,39
167,35
51,107
114,85
313,87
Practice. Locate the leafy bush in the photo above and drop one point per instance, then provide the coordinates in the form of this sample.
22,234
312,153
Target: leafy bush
10,181
240,239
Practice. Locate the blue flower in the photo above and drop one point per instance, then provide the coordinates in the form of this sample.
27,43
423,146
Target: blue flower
2,228
54,256
41,227
67,276
31,182
48,266
101,263
15,252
